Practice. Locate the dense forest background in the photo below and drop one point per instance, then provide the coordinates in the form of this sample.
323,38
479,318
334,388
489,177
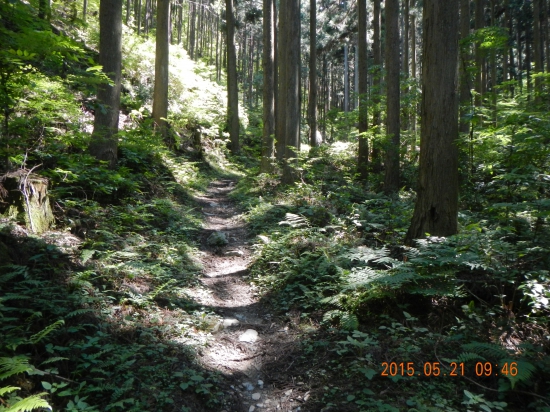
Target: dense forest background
391,161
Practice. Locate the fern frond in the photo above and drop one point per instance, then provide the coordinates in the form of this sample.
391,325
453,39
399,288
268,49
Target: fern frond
30,404
294,221
8,389
160,288
13,366
469,356
366,254
77,312
54,359
37,337
490,351
349,321
525,371
13,271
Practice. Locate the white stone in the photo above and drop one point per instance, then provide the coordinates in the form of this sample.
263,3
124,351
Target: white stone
250,335
228,322
256,396
287,393
248,386
252,408
239,253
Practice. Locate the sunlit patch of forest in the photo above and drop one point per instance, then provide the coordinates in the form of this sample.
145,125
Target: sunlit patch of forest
392,161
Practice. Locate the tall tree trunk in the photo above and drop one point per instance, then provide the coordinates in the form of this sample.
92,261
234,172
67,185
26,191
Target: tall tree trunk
268,87
493,62
104,142
480,61
546,34
192,31
84,10
346,78
436,208
377,86
160,95
128,8
528,60
139,18
413,71
289,85
180,19
218,49
393,113
520,60
363,150
537,48
312,100
405,62
465,57
232,87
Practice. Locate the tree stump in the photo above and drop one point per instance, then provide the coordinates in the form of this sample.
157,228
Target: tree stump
24,198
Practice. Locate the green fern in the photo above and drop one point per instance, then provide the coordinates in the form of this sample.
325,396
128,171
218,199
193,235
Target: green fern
78,312
160,288
13,366
525,371
37,337
53,360
469,356
490,351
30,404
8,389
349,321
294,221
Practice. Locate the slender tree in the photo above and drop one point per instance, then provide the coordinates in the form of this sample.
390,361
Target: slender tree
363,150
160,94
465,83
269,86
289,84
391,179
436,209
232,88
538,47
480,60
104,142
312,100
376,84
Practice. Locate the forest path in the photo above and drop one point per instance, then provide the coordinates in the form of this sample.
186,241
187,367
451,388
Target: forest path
249,346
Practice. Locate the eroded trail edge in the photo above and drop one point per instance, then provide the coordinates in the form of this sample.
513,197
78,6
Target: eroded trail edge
248,345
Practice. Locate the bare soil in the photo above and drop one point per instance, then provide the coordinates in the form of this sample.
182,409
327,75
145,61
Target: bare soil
259,368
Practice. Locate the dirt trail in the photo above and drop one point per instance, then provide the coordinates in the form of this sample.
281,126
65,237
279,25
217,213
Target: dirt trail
250,347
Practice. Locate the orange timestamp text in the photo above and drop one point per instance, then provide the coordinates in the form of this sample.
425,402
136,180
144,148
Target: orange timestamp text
454,369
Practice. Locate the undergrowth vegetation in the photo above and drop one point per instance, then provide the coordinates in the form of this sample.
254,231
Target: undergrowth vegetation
329,252
96,315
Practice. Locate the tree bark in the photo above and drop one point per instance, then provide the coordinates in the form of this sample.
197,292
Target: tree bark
160,95
480,61
537,48
104,142
436,209
232,87
363,150
289,85
377,86
312,100
413,71
268,87
391,178
465,58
